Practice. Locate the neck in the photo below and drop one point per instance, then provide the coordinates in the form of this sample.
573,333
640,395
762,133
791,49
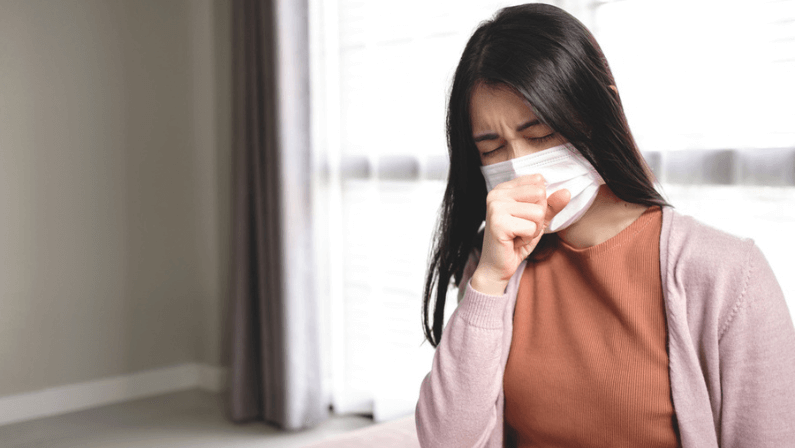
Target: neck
605,218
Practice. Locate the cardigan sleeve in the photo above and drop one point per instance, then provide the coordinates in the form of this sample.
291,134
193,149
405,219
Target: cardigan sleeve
757,364
459,398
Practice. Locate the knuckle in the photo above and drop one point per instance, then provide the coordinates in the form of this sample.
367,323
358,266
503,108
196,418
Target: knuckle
495,194
493,204
490,200
498,224
494,210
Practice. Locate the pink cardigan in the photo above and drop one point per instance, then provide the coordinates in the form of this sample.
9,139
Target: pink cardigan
731,349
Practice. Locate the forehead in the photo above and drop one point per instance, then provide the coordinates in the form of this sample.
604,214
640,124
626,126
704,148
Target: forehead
492,106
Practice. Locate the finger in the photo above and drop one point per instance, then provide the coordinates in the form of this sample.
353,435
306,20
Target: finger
535,193
555,203
531,179
531,212
520,228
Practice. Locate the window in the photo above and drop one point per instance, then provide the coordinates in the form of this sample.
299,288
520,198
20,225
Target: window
703,74
706,89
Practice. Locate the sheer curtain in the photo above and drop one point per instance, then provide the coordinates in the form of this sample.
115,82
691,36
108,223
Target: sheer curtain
704,84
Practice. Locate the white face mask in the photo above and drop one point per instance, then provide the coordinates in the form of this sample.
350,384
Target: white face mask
562,167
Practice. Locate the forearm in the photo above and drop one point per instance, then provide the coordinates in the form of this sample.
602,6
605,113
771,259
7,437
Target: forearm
458,398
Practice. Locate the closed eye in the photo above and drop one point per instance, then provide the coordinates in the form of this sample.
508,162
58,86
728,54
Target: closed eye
541,139
492,152
535,140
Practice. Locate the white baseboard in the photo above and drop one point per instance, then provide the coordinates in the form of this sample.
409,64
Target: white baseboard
213,378
76,397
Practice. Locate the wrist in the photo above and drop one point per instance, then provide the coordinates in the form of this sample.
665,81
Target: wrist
485,283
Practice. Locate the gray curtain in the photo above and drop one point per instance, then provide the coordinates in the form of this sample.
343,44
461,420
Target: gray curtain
275,356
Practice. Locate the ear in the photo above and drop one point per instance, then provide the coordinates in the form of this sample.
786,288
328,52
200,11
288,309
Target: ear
614,88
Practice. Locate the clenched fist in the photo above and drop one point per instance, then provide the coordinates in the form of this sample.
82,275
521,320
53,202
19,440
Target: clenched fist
517,212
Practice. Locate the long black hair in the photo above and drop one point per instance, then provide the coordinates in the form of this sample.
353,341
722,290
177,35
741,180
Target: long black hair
548,57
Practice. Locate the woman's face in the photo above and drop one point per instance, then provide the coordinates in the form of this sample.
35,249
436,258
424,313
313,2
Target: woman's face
504,127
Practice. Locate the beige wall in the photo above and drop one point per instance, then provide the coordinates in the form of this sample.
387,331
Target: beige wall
114,173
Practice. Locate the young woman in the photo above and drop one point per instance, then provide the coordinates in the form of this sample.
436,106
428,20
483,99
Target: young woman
590,312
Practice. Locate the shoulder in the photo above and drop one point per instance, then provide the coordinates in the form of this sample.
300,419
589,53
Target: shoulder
710,271
701,246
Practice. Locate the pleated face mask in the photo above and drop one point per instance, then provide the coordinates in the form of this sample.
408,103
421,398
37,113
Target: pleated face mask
562,167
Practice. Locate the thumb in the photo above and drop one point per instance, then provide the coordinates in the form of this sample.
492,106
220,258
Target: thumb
555,203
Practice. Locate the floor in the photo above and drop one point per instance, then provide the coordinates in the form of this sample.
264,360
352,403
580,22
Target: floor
193,418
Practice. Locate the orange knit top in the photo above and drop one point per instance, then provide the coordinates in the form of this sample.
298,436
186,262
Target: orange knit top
588,364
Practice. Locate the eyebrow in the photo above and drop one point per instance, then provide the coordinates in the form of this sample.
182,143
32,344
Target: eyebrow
520,128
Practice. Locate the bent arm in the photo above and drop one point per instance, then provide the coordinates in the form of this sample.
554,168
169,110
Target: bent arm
757,353
459,398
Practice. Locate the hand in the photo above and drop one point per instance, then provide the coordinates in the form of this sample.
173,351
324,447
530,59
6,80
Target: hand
517,212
